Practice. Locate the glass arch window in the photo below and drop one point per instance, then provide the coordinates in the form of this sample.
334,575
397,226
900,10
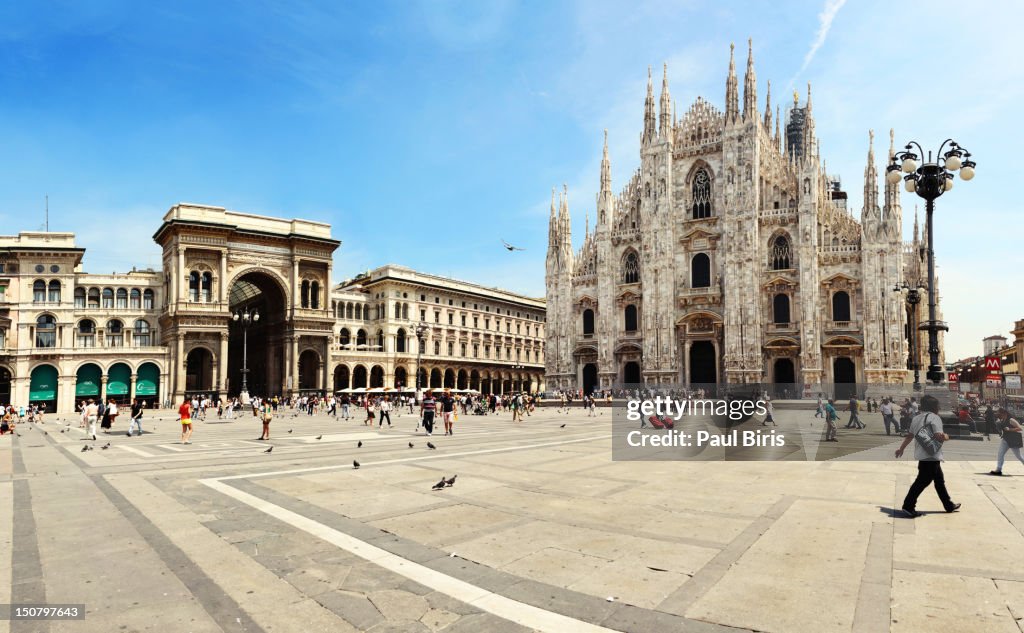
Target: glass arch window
94,297
53,292
631,268
147,300
122,298
135,299
108,298
39,291
46,331
206,289
141,334
193,286
780,256
86,334
701,191
79,297
115,333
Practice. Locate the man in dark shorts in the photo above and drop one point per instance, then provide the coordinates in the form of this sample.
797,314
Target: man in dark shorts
427,408
447,411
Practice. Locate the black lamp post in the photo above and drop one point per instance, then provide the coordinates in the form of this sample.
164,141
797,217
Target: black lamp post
421,331
913,298
933,178
245,318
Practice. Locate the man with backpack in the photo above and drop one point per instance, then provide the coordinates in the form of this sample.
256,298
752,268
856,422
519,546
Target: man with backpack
926,433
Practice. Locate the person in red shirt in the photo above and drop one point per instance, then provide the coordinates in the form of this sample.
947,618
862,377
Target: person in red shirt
185,412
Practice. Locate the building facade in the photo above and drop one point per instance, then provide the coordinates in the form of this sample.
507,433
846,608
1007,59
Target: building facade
730,257
67,335
461,335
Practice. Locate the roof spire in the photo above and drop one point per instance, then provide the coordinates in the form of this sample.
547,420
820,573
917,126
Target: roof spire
665,113
750,85
649,121
768,108
606,167
732,97
871,178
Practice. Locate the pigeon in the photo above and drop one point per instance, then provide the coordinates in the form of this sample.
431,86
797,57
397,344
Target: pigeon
410,444
105,446
439,485
319,436
355,464
269,449
431,446
562,427
85,448
289,430
450,482
510,248
360,444
45,433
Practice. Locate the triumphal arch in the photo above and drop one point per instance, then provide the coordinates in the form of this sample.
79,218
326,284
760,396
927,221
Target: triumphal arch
218,263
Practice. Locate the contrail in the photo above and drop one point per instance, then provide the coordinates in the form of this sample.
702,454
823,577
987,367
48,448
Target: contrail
825,19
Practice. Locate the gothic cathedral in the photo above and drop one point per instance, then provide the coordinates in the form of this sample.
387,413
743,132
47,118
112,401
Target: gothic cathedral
730,257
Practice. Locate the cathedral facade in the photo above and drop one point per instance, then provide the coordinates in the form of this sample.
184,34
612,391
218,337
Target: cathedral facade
730,257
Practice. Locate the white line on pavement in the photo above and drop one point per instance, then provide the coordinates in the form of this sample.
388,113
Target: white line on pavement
132,449
506,608
413,459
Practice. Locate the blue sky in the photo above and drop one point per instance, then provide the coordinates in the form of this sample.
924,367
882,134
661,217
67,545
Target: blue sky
452,120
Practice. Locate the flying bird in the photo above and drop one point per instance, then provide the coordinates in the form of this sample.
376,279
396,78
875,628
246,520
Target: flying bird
355,464
451,482
360,444
431,446
562,427
319,437
105,446
269,449
510,248
439,485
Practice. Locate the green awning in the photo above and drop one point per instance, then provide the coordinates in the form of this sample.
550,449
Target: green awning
88,383
44,383
148,380
119,377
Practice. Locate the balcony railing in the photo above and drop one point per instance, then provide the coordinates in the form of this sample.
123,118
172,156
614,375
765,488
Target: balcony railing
842,326
782,327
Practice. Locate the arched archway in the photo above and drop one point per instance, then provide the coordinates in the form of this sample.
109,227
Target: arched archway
700,271
199,371
631,373
43,388
401,377
5,386
147,384
359,377
474,380
376,377
844,375
449,378
341,377
309,366
703,364
589,378
784,377
263,293
119,380
462,379
435,378
88,379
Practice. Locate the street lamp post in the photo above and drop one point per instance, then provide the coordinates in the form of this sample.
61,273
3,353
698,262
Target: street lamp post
913,298
929,181
421,331
245,318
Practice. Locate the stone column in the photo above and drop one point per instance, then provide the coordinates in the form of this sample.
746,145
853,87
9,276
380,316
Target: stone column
178,363
103,388
222,367
323,375
223,287
163,390
131,387
286,382
294,365
180,274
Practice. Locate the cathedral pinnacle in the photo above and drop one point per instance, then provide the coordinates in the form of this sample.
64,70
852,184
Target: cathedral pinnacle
606,167
732,97
750,85
665,112
649,121
871,180
768,108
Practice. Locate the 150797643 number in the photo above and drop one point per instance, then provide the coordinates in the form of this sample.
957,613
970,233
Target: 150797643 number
42,611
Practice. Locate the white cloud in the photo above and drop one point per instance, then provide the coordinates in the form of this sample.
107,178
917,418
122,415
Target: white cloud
825,19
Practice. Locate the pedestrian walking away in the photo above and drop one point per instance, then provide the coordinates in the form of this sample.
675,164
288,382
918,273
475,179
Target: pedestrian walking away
1012,440
927,435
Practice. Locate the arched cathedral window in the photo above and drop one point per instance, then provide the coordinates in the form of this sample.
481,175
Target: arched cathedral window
780,254
631,268
701,194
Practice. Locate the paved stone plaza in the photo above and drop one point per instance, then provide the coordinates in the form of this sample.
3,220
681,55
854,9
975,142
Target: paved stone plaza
541,531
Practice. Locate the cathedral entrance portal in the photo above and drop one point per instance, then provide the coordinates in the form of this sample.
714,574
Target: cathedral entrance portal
844,375
5,386
199,371
631,373
589,378
260,292
703,364
784,378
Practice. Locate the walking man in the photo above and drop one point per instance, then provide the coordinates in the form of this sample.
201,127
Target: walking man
854,421
923,427
887,416
136,414
1012,440
830,421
